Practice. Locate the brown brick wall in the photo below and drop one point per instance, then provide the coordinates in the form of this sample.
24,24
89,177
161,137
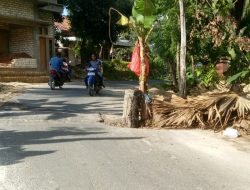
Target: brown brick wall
47,16
25,39
17,8
21,41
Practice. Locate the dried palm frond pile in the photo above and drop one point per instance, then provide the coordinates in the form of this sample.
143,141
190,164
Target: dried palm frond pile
207,111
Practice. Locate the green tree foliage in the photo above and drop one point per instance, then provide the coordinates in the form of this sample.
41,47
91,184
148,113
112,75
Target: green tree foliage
166,34
220,30
241,13
90,20
144,13
213,28
142,23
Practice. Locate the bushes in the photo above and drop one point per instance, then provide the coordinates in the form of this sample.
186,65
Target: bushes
118,70
158,68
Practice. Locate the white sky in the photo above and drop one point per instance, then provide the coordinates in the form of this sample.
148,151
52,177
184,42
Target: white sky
65,11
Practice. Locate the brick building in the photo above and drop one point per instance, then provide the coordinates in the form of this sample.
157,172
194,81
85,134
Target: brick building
26,34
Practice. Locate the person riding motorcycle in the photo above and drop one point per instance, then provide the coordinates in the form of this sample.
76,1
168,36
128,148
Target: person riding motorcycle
56,64
96,64
66,69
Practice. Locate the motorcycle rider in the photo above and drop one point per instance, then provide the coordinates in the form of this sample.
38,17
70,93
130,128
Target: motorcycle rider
66,69
96,64
56,64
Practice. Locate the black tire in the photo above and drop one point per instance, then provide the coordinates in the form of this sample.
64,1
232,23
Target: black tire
52,83
91,90
98,90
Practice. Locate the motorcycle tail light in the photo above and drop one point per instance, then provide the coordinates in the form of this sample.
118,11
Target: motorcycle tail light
53,72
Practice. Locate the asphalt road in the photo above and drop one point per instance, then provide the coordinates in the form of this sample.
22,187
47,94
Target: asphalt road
50,140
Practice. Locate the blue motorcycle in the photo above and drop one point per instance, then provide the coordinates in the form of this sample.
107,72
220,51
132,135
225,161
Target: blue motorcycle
93,81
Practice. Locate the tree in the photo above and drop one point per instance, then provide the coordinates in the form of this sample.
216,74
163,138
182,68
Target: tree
165,37
141,21
182,73
171,31
143,17
213,28
90,20
241,12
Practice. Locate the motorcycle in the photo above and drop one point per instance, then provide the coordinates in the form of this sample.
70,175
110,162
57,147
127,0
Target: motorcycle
93,81
58,80
55,80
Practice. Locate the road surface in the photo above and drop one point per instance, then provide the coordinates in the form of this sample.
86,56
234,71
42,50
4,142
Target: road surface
51,140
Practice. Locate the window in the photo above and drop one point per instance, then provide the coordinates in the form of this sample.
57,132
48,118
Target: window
46,31
40,30
43,31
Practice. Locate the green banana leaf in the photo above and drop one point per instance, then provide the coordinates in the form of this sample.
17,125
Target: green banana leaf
237,76
232,53
143,12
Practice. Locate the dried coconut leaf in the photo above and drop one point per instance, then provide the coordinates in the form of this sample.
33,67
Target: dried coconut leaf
217,110
243,106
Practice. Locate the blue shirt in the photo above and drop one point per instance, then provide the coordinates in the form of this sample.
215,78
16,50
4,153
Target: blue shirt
56,63
95,64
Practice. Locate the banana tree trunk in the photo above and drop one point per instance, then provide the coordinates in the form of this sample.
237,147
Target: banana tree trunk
182,74
143,79
143,75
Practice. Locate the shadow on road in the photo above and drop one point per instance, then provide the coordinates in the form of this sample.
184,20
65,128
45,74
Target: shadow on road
12,150
56,109
66,103
41,103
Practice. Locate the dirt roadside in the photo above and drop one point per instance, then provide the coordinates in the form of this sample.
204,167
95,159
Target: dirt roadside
11,89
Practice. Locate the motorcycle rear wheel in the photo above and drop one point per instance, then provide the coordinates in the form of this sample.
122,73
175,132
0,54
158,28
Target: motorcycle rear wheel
91,90
52,83
98,91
